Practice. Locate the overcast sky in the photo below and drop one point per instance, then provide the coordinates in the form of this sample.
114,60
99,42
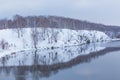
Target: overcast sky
100,11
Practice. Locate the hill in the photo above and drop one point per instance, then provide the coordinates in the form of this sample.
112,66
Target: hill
58,22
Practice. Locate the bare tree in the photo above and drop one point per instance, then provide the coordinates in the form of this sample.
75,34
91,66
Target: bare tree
4,44
35,36
54,35
19,22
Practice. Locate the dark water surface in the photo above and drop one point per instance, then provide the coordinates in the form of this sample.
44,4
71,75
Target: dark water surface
100,61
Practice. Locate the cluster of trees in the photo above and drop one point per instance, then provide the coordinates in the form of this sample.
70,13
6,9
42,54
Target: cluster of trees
54,22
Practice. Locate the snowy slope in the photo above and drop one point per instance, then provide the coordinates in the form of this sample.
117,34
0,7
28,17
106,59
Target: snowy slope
13,40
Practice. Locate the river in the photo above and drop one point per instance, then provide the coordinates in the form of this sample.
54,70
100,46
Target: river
96,61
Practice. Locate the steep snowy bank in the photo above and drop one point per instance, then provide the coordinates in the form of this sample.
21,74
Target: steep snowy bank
12,40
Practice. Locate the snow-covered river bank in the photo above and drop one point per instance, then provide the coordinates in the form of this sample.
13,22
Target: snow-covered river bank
19,39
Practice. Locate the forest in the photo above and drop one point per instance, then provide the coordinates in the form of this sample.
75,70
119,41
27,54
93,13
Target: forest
57,22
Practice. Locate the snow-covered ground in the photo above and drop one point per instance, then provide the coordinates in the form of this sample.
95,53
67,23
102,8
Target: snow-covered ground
14,40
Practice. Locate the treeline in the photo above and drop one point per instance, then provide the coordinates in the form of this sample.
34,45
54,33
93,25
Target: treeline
53,22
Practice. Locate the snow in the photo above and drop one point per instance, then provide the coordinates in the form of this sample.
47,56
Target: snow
46,39
48,57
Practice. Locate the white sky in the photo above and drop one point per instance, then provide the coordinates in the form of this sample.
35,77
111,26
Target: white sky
100,11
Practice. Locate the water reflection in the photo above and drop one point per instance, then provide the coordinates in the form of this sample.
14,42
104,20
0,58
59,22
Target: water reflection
47,57
36,64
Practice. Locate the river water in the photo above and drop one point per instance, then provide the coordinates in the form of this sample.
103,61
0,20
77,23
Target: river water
96,61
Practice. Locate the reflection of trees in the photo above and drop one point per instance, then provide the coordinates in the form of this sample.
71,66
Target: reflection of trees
39,71
6,70
20,73
35,58
34,69
3,60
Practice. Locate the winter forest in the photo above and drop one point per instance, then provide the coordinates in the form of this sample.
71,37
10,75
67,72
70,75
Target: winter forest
40,46
51,31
